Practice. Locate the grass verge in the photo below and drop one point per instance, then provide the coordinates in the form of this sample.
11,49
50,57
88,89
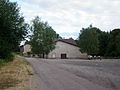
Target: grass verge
1,62
15,75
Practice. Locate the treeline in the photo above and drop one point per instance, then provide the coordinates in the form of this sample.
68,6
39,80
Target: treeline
96,42
13,30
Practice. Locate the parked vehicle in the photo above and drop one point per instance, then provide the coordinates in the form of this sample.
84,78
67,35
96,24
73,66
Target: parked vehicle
94,57
90,57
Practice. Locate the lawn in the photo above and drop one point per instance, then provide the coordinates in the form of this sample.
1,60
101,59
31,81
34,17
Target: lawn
15,75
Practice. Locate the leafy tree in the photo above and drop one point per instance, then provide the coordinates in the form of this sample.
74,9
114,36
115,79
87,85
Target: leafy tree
113,49
43,38
118,45
104,38
88,40
12,28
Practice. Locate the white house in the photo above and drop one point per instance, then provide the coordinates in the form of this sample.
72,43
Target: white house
64,48
25,49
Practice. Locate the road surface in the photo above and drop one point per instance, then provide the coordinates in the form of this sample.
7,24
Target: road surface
75,74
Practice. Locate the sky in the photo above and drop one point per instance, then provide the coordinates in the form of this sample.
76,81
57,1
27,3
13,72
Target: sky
68,17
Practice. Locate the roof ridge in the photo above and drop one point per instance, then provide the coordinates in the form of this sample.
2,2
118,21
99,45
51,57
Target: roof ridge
69,41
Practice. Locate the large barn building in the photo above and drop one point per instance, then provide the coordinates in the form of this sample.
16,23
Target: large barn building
64,49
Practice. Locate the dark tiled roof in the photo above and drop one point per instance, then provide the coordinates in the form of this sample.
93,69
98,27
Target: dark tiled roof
69,41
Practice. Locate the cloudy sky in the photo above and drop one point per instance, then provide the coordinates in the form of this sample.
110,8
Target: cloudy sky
68,17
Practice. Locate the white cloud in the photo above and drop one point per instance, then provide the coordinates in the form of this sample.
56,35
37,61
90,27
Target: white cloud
71,15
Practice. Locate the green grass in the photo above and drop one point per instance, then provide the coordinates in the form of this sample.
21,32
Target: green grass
2,62
8,59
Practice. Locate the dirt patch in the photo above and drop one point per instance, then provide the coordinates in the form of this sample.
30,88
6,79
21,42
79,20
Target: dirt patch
15,75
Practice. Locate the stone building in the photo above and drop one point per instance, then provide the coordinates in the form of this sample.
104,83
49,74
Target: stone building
25,49
64,49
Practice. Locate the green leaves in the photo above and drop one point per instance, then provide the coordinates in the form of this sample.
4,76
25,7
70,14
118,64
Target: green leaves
43,38
95,42
12,27
88,40
113,49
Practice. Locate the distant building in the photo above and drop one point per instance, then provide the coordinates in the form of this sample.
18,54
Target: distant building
25,49
64,48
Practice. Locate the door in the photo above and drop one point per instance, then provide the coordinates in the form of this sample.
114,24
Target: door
63,56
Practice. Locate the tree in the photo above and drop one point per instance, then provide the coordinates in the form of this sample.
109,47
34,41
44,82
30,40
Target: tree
113,49
12,28
104,38
43,38
88,40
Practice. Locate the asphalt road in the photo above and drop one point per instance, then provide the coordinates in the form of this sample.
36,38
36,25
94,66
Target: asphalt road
75,74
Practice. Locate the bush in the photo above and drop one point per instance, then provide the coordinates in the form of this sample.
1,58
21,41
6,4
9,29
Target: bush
2,61
19,53
28,53
9,57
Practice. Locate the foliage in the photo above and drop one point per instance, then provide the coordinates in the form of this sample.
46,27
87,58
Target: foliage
43,38
28,53
2,62
104,38
89,41
113,48
95,42
12,28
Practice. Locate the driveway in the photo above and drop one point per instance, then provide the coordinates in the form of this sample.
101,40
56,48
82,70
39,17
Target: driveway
75,74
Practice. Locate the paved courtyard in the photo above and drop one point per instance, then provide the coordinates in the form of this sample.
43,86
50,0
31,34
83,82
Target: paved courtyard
70,74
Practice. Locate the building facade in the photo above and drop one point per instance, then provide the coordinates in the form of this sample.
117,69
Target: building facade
64,49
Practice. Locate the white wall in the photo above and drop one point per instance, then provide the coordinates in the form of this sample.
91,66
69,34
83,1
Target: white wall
27,48
71,51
